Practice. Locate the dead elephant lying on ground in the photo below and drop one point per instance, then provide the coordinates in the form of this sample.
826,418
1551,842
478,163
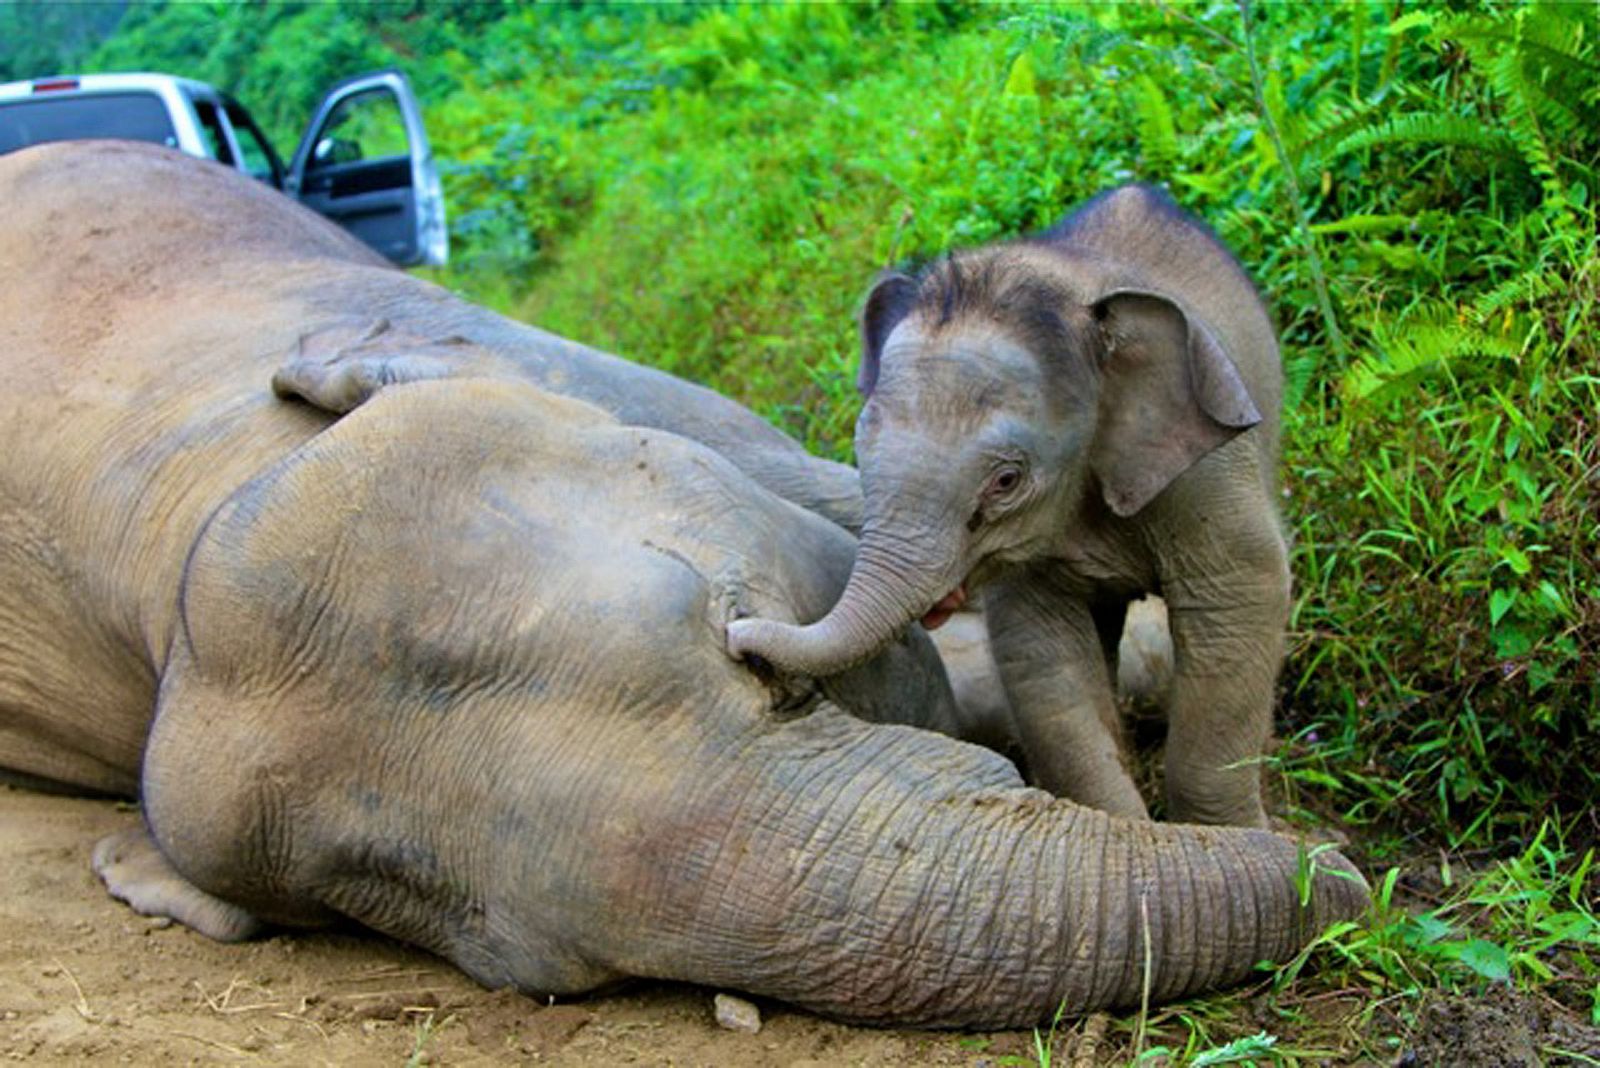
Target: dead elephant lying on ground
453,665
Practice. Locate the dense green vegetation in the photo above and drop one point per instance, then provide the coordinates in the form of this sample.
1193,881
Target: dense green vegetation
711,188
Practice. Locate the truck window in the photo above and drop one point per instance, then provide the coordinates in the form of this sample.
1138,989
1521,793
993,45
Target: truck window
260,161
211,132
134,116
364,127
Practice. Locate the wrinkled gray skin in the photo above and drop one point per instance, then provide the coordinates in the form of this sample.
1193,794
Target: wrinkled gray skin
1078,419
379,328
388,330
453,665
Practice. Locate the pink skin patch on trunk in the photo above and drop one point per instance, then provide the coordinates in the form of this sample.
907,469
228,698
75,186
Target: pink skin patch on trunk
948,605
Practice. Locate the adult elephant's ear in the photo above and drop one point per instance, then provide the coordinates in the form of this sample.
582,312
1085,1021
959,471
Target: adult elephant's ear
340,365
890,301
1170,394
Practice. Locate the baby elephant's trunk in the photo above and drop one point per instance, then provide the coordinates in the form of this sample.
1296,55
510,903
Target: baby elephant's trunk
892,584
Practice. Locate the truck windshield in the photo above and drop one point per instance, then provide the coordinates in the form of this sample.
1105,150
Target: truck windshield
134,116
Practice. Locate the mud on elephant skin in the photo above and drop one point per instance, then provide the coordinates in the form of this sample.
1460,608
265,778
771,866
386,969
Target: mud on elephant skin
1077,419
453,667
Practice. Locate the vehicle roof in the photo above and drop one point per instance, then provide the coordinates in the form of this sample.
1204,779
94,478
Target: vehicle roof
111,83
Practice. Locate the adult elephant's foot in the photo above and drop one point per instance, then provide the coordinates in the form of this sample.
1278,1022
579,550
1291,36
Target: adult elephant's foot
134,870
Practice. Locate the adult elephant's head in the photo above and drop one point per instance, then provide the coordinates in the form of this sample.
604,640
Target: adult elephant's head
1006,389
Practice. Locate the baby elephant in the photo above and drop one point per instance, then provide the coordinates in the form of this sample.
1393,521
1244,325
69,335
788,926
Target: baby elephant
1074,420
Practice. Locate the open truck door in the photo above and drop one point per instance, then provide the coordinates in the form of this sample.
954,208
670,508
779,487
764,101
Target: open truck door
365,163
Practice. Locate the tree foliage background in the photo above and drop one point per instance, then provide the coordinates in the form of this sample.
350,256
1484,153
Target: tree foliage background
710,188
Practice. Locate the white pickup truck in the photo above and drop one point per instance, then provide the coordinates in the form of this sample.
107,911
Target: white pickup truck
364,160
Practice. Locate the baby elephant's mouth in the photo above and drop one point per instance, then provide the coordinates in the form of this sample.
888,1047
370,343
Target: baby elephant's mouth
947,606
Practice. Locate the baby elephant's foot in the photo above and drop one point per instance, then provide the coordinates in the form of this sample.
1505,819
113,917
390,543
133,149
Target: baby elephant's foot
134,870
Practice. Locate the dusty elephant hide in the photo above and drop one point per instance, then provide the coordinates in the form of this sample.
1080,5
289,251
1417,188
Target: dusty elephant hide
453,666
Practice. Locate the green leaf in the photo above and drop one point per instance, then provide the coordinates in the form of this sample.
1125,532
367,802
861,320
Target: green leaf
1240,1049
1364,224
1515,559
1486,958
1500,602
1552,597
1511,642
1021,80
1430,928
1212,185
1158,133
1408,21
1316,778
1580,877
1541,675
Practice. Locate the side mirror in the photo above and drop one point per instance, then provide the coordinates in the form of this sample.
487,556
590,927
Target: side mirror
335,150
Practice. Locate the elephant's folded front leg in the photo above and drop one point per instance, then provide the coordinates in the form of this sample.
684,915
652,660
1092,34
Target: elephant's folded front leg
1051,661
136,871
1227,636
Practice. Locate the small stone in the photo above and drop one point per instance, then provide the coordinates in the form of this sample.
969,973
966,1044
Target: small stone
159,923
737,1014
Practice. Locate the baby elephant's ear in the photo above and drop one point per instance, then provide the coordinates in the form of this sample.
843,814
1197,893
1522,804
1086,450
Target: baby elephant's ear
1170,394
889,302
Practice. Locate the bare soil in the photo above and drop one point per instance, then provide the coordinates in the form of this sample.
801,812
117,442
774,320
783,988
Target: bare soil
83,978
1499,1029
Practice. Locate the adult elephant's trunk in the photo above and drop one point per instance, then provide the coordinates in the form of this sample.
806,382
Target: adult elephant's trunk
894,582
887,875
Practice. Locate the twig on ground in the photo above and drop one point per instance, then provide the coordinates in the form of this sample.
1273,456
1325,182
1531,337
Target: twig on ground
383,971
222,1003
235,1050
83,1003
303,1020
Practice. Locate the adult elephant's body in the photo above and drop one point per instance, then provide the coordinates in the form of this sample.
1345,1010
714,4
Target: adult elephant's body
453,666
149,297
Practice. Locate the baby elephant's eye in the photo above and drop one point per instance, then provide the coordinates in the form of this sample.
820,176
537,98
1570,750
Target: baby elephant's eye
1004,481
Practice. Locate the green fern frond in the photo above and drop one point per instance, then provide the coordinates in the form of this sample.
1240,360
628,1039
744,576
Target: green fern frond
1158,133
1542,65
1406,354
1316,134
1527,132
1299,371
1431,127
1523,289
1553,37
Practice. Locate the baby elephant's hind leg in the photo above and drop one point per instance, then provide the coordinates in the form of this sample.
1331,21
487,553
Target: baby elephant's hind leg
135,871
